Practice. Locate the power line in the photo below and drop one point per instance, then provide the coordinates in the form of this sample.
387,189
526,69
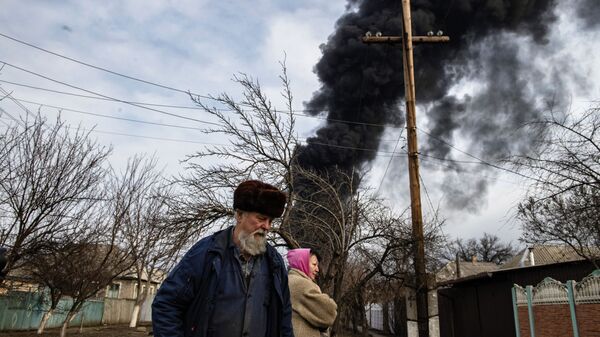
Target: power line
439,164
479,160
295,112
183,127
217,144
187,92
61,108
99,98
427,193
16,120
9,95
149,137
108,97
389,163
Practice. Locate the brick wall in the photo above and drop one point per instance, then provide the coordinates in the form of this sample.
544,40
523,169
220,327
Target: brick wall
588,319
554,320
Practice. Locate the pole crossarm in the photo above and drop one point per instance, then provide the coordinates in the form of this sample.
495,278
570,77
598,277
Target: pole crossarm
398,39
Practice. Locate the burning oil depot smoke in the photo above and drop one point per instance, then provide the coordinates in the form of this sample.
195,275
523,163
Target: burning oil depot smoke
499,70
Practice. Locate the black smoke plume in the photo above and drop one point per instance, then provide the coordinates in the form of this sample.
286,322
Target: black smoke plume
494,44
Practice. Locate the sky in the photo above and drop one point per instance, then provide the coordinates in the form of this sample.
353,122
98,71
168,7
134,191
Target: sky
198,46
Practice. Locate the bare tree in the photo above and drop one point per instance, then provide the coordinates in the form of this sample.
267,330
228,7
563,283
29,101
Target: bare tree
262,142
100,251
47,171
92,264
151,239
50,267
42,267
488,248
564,200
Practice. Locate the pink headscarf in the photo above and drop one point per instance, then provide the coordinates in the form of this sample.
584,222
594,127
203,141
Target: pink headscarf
300,259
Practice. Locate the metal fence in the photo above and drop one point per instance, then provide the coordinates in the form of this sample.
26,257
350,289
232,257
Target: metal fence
24,311
375,312
550,297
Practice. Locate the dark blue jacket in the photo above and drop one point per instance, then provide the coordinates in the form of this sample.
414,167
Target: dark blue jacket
185,301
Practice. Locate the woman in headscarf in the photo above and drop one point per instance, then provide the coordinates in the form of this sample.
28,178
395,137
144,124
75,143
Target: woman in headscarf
312,311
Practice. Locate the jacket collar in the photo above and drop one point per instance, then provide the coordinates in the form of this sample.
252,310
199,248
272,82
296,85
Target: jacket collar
220,241
300,273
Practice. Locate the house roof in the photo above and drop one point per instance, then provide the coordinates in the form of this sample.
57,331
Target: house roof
157,277
467,268
542,254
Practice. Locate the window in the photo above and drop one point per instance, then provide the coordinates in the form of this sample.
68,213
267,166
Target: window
113,290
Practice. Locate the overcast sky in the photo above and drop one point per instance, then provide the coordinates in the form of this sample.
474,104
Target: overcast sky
198,46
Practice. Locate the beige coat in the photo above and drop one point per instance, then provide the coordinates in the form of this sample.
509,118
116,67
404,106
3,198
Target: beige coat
312,310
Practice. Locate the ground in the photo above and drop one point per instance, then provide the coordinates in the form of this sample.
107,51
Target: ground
101,331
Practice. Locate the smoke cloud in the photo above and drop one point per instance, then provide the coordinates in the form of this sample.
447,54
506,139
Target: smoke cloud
494,45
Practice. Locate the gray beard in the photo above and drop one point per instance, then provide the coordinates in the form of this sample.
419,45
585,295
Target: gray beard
252,245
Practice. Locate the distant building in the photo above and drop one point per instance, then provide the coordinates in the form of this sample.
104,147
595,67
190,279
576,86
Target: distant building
125,286
481,304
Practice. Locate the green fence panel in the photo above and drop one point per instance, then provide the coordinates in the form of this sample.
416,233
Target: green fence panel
24,311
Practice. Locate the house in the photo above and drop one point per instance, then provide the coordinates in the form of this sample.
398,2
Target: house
458,269
125,285
481,304
542,255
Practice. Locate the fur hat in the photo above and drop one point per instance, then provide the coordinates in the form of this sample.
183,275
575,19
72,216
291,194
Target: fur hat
256,196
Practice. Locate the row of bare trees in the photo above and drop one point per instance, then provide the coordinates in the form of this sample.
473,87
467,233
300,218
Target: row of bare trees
72,223
363,242
359,238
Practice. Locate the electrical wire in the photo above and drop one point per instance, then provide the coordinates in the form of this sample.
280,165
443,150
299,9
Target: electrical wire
16,120
106,96
293,112
61,108
187,92
478,160
9,95
389,163
149,137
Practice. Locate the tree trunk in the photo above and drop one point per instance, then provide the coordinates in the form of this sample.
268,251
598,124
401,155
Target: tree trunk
363,314
385,310
135,315
400,328
44,320
68,319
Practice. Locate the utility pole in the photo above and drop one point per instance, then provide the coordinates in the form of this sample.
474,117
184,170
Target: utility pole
407,40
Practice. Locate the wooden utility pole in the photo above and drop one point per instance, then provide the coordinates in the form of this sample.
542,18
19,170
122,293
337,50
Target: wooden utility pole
407,40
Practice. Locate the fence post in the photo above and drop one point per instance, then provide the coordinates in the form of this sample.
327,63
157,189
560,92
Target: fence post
571,295
530,310
516,311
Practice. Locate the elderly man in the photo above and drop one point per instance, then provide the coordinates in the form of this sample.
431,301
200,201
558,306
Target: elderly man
232,283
